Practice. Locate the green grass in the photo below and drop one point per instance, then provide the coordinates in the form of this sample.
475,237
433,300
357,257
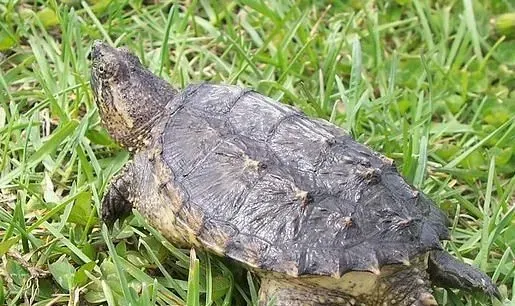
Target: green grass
428,83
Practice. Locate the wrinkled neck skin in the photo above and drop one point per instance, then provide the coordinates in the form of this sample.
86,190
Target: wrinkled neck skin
131,109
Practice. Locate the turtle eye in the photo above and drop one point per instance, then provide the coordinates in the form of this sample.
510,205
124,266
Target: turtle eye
105,70
102,71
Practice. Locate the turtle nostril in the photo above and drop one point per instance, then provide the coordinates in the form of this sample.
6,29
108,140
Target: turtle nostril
88,57
94,53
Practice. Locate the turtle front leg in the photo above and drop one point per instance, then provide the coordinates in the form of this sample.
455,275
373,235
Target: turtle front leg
116,203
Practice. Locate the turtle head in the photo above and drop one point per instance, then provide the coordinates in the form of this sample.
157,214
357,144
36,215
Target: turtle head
129,97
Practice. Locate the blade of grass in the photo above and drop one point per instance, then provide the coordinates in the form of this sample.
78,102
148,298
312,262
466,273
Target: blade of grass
168,297
164,46
209,281
193,280
482,257
472,27
464,155
49,146
175,252
170,279
120,272
96,22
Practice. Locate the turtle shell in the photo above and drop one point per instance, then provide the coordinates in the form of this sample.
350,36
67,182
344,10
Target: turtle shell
282,192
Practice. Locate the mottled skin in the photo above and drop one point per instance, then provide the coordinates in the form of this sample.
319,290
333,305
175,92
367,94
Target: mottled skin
321,218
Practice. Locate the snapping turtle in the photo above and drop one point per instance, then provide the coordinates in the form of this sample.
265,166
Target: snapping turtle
322,219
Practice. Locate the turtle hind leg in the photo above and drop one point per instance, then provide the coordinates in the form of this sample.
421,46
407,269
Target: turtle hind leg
290,292
447,271
407,287
116,203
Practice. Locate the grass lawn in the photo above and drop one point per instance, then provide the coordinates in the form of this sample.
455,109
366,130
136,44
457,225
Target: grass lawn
430,84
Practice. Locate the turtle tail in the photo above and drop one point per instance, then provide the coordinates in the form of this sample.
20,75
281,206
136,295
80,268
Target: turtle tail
447,271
